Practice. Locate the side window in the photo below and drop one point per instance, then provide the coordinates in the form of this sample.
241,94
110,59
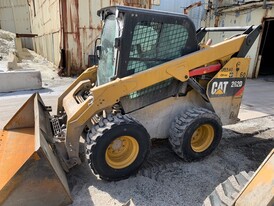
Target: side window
172,41
107,57
155,43
143,43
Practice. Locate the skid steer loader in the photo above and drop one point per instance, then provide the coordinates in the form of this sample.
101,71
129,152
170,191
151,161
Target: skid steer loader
155,79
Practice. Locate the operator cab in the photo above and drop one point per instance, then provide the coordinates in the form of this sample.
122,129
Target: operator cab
134,40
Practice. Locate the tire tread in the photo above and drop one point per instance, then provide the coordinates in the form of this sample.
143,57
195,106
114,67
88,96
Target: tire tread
226,192
98,130
182,122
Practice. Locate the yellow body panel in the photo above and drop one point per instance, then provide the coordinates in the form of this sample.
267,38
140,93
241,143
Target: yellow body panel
108,94
105,96
225,90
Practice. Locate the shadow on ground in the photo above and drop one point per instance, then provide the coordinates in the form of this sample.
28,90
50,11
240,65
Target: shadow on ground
25,92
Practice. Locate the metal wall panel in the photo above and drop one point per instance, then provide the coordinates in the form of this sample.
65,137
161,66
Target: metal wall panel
7,21
56,48
82,27
178,6
72,26
45,21
14,17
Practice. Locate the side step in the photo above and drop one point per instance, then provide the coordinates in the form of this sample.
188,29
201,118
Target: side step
30,174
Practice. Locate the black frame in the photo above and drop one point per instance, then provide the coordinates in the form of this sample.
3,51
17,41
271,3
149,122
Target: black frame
131,16
252,33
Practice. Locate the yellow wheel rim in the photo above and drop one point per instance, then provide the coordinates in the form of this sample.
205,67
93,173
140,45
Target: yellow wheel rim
202,138
122,152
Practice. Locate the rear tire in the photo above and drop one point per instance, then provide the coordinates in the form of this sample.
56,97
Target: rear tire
195,133
226,192
116,147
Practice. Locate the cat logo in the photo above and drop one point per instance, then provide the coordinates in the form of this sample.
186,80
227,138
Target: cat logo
219,88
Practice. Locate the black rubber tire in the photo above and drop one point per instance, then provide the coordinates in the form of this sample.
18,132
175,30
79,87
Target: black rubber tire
183,127
101,137
226,192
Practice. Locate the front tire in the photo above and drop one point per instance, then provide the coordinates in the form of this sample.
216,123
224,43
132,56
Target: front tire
116,147
195,133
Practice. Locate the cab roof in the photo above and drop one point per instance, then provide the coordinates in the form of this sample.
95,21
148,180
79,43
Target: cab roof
104,12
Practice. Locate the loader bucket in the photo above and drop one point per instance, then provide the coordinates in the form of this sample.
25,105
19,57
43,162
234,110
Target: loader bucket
30,173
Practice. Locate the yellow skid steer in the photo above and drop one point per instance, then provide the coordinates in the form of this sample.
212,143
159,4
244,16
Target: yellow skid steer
155,79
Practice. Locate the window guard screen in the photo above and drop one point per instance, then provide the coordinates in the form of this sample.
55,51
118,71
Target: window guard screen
154,43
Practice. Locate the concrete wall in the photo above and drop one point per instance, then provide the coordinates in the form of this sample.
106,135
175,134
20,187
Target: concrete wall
195,14
20,80
227,13
45,21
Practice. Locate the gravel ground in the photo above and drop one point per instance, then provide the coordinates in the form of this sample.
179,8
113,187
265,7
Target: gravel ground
166,180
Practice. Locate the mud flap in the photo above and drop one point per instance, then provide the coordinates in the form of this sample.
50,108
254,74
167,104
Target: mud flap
30,173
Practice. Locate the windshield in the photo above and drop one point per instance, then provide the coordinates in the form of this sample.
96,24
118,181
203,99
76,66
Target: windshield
107,60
